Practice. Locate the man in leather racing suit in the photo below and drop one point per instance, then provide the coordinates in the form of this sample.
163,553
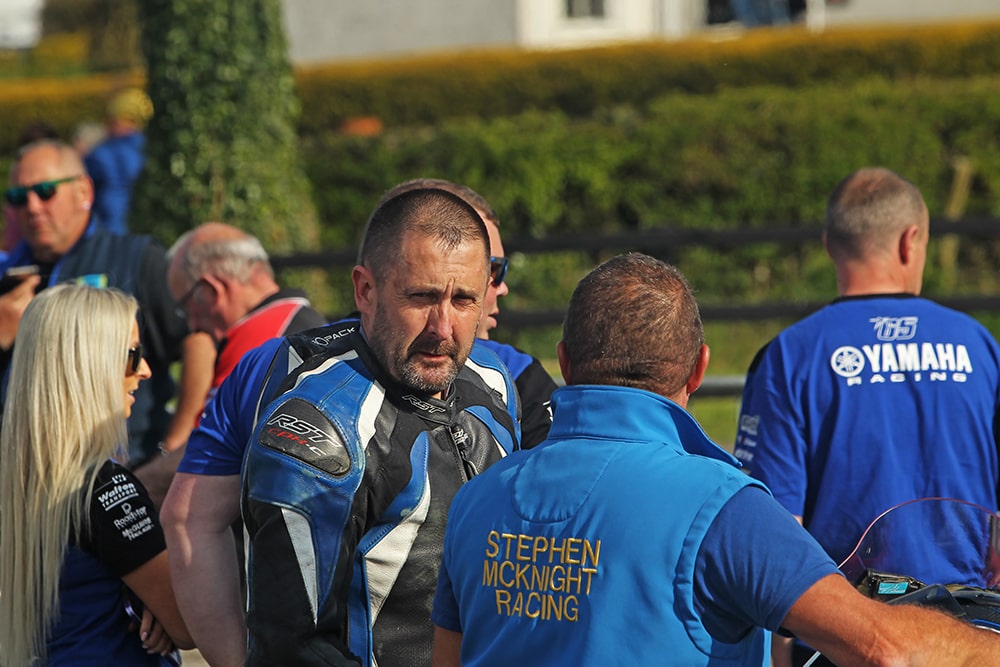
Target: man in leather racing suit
349,473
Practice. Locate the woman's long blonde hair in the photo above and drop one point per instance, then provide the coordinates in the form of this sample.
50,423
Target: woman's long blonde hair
64,417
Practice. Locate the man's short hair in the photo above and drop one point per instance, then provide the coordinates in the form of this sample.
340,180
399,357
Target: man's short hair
234,258
429,212
69,158
464,192
633,322
868,210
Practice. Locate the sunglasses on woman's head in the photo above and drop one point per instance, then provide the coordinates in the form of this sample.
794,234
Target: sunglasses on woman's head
45,190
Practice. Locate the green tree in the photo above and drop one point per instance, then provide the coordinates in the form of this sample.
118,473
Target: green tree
222,143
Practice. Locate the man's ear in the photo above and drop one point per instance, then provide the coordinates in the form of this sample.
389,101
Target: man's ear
698,372
908,241
85,192
563,357
364,289
220,286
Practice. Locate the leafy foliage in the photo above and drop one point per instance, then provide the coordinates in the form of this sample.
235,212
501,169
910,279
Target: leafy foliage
740,158
222,144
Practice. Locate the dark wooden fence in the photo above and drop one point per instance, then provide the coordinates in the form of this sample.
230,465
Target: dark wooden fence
667,241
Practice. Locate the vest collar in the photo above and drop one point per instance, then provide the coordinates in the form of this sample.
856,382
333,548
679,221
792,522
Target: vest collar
623,413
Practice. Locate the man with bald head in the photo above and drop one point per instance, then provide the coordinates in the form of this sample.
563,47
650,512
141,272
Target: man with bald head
222,280
52,196
882,396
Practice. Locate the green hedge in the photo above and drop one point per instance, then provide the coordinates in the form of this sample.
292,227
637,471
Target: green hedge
576,82
751,157
501,83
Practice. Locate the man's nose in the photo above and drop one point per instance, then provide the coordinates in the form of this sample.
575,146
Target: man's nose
34,203
439,322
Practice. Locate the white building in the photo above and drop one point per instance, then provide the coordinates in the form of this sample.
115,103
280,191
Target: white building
321,30
19,23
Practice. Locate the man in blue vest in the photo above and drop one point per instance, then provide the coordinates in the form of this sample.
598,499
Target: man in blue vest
52,197
629,538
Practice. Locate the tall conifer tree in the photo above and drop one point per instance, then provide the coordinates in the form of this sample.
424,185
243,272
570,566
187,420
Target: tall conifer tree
222,142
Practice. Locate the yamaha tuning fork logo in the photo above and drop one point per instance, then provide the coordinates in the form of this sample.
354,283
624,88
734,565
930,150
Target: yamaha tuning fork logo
896,358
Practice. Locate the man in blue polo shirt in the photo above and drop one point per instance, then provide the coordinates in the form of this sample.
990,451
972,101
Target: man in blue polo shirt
629,538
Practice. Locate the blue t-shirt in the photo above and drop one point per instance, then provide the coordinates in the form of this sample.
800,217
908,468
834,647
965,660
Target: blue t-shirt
216,447
870,402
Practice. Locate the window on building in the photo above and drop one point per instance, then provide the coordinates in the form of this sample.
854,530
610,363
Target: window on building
585,9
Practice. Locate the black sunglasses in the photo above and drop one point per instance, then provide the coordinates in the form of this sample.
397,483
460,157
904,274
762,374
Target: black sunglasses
134,358
498,270
46,190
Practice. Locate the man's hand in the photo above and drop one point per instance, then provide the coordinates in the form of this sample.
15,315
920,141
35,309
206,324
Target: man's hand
12,305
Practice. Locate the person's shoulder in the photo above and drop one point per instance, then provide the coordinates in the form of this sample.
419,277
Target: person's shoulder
328,339
800,335
484,356
516,360
98,155
947,313
130,243
487,367
306,318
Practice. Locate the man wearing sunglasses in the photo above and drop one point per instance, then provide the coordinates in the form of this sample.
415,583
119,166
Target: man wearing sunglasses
51,197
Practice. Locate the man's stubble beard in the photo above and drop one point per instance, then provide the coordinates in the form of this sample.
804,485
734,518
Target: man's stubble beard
399,361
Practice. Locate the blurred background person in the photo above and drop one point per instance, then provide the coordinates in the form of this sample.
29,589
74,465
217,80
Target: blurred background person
74,524
754,13
114,164
223,282
87,135
52,199
30,133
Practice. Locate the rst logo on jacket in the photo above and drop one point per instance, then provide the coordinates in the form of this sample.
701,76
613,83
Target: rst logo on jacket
300,430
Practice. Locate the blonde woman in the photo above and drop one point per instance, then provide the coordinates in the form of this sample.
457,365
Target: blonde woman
79,537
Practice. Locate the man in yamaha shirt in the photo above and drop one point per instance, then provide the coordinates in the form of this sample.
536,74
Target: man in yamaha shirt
350,472
880,397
